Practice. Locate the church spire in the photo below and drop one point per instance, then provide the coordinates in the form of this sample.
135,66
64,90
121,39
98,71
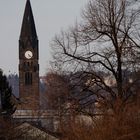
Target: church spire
28,25
28,62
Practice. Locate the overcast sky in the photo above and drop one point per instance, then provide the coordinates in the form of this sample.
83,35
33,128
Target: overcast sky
51,16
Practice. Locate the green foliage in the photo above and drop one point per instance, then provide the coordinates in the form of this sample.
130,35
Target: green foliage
6,93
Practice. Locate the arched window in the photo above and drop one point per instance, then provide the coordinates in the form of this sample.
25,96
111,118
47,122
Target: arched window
28,78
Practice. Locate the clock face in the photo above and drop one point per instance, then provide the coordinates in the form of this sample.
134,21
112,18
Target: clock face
28,54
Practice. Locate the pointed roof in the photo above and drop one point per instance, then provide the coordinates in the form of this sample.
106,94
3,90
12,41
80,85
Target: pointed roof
28,25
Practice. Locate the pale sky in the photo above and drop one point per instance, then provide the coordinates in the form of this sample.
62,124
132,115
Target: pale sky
51,16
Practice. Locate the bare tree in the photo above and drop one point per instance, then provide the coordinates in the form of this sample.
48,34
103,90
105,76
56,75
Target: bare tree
57,90
105,44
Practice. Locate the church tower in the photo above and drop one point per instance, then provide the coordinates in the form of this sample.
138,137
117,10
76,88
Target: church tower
28,61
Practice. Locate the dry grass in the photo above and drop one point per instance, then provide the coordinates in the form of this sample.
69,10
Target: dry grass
122,126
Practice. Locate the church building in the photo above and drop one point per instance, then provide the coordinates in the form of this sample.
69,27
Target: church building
28,108
28,62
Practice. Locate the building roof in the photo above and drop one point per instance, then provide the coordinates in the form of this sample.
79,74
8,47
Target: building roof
28,131
34,114
28,25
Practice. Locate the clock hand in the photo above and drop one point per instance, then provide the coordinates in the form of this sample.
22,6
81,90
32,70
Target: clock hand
29,55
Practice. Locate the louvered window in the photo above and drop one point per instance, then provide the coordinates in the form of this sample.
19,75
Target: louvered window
28,78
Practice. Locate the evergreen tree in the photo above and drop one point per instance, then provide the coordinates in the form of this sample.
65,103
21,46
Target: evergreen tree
6,93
